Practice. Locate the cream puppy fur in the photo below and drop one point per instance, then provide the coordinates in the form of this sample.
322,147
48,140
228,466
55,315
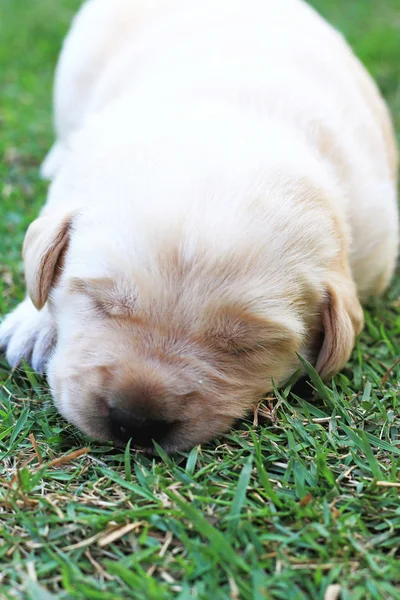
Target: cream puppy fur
223,196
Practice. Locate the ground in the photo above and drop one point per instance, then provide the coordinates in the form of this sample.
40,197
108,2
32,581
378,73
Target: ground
305,500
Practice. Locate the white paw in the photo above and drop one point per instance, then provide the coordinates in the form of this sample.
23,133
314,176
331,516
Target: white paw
28,334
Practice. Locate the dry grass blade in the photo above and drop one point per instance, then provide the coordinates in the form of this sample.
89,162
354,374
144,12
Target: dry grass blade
333,592
35,447
62,460
116,534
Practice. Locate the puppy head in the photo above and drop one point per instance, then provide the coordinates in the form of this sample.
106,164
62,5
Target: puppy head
171,349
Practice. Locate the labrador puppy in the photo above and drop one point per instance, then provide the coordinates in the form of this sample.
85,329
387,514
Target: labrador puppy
222,198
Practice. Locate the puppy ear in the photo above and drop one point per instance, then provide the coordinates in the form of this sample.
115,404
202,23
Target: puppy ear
342,320
46,239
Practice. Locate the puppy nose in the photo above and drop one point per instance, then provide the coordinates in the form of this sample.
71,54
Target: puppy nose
126,425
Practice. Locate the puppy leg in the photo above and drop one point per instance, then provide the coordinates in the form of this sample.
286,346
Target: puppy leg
28,334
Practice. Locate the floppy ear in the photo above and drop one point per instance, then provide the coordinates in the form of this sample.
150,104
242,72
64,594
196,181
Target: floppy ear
342,320
46,239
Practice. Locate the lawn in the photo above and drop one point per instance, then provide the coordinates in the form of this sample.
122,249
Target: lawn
304,501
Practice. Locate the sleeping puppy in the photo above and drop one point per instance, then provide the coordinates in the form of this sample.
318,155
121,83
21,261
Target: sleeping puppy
223,196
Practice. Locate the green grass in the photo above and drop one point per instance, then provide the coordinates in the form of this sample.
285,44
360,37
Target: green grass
308,499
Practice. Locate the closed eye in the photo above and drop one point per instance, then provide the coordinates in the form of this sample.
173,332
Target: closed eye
106,298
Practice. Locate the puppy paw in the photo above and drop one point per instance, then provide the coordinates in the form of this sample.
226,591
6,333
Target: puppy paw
28,334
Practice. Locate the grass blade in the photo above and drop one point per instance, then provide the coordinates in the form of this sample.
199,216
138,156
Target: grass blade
240,494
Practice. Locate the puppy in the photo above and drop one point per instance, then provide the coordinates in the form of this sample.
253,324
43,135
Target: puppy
222,198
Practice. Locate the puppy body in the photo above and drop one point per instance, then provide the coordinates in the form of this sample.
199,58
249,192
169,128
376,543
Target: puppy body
278,62
222,196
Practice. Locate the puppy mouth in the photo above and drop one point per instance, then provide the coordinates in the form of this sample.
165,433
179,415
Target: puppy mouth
142,437
170,445
142,431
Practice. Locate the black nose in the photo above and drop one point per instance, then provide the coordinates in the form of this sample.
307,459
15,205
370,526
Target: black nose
126,425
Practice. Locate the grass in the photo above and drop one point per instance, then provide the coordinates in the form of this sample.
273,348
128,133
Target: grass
306,500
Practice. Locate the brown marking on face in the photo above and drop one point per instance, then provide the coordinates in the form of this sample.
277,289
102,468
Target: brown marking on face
236,329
